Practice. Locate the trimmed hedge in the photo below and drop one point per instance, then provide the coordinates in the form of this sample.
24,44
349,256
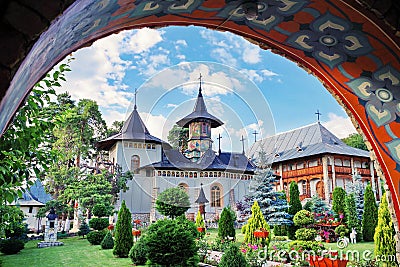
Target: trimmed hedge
95,237
138,253
11,246
99,223
107,242
306,234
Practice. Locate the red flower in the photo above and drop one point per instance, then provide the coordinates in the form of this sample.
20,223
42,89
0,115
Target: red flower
110,227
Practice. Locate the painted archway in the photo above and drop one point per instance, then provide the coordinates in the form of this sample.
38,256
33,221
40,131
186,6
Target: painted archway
354,58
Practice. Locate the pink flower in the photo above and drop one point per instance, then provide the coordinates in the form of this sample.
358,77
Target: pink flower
243,250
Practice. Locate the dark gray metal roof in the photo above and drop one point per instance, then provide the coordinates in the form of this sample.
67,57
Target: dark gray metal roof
234,162
199,112
132,130
310,140
202,197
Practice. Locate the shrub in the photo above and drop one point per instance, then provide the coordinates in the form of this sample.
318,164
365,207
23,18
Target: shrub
308,205
173,202
303,218
306,234
338,203
123,233
101,210
95,237
300,246
99,223
370,215
294,206
255,222
107,242
341,230
188,225
226,224
233,257
169,243
11,246
200,223
83,229
138,252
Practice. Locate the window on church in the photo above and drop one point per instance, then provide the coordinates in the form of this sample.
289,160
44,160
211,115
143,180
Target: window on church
153,146
346,163
30,210
300,165
304,187
357,164
135,163
184,187
204,128
338,162
216,196
149,172
135,145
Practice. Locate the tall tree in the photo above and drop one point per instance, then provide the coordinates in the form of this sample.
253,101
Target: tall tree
339,196
370,215
123,232
357,188
255,222
115,128
352,220
226,224
178,136
355,140
294,206
384,238
173,202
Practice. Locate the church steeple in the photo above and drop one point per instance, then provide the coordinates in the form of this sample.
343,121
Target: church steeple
199,123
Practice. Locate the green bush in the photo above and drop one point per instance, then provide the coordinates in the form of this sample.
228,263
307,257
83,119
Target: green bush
188,225
169,243
341,230
308,205
173,202
101,210
233,257
300,245
303,218
11,246
306,234
226,224
107,242
83,229
370,214
138,253
123,232
294,207
99,223
95,237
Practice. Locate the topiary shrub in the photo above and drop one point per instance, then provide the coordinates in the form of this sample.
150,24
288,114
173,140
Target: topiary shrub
303,218
226,224
99,223
138,253
188,225
101,210
173,202
300,246
306,234
123,232
95,237
107,242
370,215
341,230
11,246
168,243
233,257
294,206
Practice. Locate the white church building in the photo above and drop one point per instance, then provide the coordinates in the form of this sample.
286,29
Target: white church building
223,176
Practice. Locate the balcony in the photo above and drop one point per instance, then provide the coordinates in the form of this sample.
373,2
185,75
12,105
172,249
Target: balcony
302,172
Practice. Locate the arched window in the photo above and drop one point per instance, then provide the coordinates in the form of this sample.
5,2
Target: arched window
216,193
338,162
184,186
346,163
304,187
135,163
357,164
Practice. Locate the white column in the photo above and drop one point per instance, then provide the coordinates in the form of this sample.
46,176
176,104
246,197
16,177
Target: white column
373,185
333,171
281,174
352,166
326,178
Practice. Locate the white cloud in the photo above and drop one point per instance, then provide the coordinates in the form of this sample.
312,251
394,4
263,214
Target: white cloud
268,73
170,105
181,42
258,76
339,126
181,57
141,40
154,64
224,56
251,54
157,125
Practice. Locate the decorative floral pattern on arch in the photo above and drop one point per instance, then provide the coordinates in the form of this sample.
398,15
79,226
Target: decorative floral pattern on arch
331,39
270,12
147,8
379,92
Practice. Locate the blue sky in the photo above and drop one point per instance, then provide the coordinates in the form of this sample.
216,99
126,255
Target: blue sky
246,87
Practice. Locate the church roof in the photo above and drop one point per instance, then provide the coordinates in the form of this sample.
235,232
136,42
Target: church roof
306,141
174,160
133,129
34,196
199,112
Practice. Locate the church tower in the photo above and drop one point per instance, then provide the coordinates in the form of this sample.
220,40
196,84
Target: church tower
199,123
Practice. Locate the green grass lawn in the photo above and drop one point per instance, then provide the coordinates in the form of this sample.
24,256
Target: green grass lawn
75,252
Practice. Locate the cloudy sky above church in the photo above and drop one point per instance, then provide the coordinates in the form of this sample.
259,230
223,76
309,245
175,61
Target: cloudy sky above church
248,88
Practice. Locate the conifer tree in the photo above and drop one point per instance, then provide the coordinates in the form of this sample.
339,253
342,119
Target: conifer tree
370,215
357,188
123,232
255,222
233,257
384,240
318,207
200,223
226,224
352,220
83,229
339,196
107,242
294,206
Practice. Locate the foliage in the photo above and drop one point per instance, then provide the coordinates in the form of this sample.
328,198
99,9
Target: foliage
341,230
280,230
339,196
308,205
255,255
168,243
306,234
199,220
358,189
116,127
294,206
244,206
188,225
370,215
102,210
12,221
355,140
226,224
273,204
138,253
384,238
107,242
178,136
233,257
318,205
83,229
95,237
303,218
11,246
123,232
300,245
173,202
352,220
220,244
255,222
98,223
